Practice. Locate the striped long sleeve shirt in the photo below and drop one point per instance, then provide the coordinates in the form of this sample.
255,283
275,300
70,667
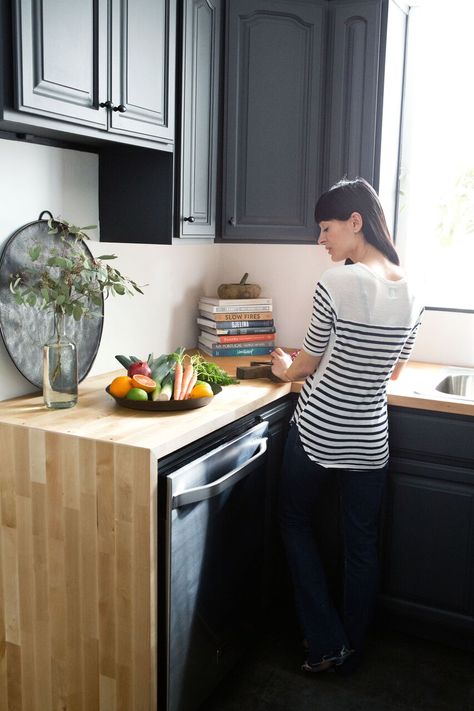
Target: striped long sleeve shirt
361,325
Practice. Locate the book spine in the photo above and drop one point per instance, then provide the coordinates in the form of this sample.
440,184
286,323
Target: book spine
216,325
244,351
246,344
240,316
240,338
235,302
237,331
247,308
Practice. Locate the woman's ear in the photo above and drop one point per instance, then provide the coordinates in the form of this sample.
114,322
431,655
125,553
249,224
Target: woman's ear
357,222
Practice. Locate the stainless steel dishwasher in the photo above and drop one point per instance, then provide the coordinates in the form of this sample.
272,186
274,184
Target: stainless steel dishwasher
212,524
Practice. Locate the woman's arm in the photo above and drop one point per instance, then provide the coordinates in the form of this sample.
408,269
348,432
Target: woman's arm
398,369
288,370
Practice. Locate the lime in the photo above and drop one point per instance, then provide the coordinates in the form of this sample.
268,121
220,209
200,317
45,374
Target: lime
136,394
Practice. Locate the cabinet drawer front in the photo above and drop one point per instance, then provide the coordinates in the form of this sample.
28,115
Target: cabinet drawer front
430,435
61,59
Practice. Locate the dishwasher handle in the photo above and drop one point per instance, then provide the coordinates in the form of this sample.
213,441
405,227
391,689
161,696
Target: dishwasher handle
201,493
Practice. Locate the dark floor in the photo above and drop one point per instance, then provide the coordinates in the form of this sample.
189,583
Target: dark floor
401,673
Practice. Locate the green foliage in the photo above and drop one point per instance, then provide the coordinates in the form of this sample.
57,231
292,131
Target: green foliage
211,372
456,213
65,278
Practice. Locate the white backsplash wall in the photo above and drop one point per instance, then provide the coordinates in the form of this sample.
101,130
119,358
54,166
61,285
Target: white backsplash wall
173,278
287,273
35,178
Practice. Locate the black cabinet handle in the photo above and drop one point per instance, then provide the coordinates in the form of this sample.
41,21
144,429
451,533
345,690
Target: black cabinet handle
190,219
109,105
232,221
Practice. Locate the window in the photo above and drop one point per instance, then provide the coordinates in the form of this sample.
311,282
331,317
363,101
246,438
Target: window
435,232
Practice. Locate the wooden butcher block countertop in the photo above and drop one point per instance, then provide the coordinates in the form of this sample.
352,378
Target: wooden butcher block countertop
78,517
98,417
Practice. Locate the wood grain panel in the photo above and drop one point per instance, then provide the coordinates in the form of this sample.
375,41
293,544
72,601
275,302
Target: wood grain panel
77,573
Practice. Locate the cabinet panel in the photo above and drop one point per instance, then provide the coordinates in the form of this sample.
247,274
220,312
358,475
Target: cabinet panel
61,62
353,76
143,67
199,118
428,532
274,69
430,548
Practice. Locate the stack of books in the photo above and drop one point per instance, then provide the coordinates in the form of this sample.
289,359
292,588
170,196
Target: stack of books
236,327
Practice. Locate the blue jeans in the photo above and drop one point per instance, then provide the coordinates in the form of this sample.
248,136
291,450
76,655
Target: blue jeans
361,493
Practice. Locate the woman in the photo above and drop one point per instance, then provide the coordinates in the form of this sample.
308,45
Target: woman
363,326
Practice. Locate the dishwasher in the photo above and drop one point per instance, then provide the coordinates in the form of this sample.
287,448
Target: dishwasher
210,560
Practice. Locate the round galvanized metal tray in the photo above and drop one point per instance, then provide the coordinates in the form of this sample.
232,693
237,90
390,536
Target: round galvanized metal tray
25,329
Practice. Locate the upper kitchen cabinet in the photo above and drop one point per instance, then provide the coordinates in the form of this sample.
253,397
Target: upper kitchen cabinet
81,68
142,72
61,59
272,121
354,69
196,154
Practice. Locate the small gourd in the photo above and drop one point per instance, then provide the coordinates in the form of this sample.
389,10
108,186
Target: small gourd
242,290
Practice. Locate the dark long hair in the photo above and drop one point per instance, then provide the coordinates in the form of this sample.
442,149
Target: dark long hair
348,196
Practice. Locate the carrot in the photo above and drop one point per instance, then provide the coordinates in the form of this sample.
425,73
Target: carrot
187,375
178,379
191,385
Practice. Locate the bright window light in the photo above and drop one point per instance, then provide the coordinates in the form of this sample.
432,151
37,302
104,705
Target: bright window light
435,233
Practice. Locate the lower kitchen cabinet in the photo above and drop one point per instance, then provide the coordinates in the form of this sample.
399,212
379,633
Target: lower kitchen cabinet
428,531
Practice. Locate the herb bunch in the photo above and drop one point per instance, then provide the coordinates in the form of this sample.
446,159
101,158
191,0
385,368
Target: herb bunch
65,278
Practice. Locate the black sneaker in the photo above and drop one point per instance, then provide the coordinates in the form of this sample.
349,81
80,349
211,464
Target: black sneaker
328,662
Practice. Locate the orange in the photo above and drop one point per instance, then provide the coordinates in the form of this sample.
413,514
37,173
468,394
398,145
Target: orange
201,390
144,382
119,387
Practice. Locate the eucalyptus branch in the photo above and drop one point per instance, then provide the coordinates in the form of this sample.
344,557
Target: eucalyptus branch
66,279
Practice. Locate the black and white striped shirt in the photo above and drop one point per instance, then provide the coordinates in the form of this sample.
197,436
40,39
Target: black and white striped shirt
361,325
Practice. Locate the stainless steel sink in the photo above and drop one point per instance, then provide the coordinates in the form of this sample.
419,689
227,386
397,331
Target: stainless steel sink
459,385
451,384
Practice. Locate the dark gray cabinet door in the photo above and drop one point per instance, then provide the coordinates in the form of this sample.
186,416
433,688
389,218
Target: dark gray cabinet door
353,87
428,531
143,37
61,59
196,212
272,119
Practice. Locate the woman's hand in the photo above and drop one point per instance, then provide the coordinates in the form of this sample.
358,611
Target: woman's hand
287,369
281,361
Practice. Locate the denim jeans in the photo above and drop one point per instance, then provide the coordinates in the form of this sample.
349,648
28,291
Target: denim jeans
360,492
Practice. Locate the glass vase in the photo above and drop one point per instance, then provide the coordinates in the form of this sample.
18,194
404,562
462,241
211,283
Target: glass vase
60,368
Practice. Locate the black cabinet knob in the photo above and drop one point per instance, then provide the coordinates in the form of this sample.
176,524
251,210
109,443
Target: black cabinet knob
106,104
232,221
190,219
120,108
